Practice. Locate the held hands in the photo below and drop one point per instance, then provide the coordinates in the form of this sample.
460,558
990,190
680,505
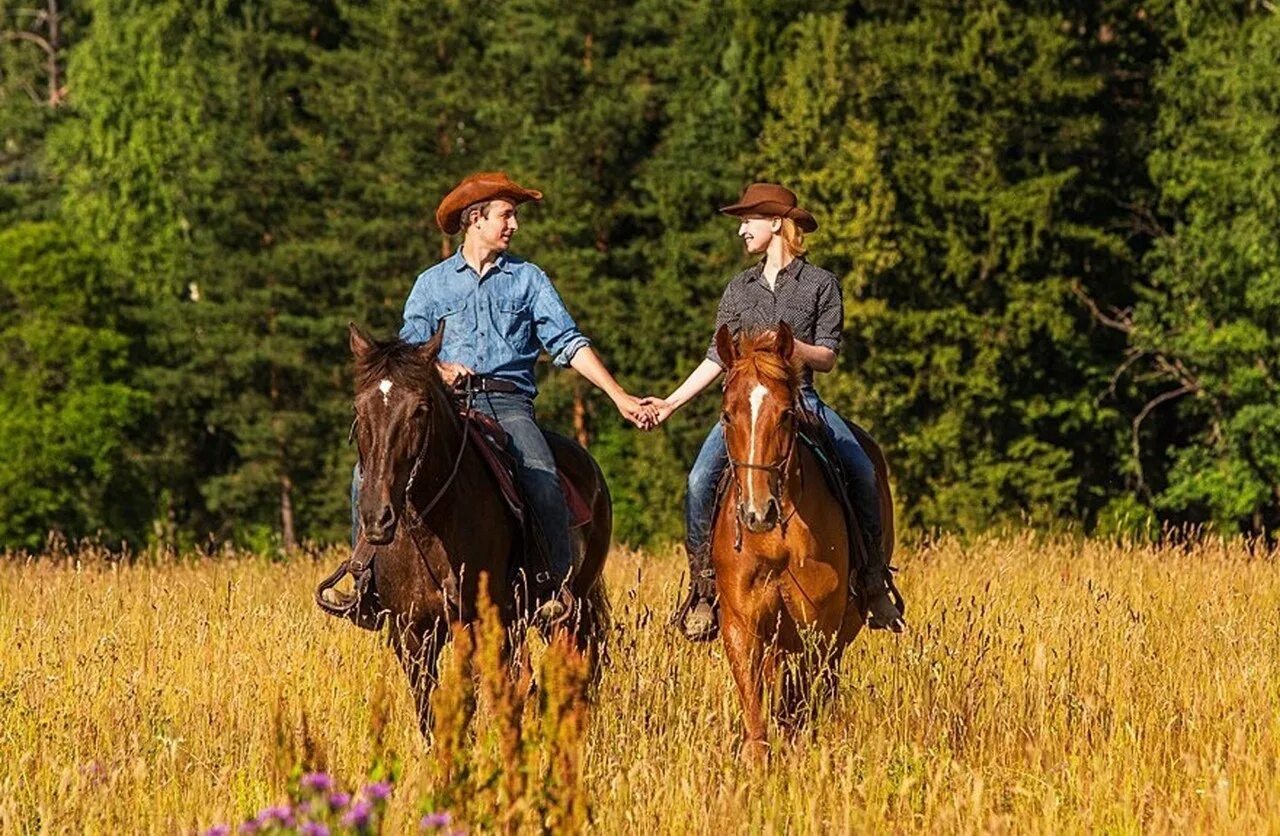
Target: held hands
637,411
661,411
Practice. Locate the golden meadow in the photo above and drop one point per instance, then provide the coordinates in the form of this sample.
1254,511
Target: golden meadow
1044,685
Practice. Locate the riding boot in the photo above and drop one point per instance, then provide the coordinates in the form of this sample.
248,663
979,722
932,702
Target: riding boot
698,615
881,601
548,582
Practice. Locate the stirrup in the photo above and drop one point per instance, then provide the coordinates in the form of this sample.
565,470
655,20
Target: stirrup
701,589
358,607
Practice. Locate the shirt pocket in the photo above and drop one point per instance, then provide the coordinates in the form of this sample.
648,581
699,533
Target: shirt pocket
457,327
513,321
756,316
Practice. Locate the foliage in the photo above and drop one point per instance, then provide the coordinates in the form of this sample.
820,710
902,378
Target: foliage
1047,219
1209,323
70,416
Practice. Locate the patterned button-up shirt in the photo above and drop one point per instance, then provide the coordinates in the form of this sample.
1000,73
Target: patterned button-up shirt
496,324
805,297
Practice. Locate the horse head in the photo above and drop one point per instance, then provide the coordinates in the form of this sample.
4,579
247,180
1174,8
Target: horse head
761,396
397,393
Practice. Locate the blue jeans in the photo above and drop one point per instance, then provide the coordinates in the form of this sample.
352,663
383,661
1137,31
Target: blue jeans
714,458
535,471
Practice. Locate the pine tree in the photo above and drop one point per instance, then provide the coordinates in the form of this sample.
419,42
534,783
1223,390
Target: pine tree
1206,329
978,367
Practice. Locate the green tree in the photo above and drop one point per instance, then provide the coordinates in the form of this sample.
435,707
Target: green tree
34,41
1206,329
974,361
70,411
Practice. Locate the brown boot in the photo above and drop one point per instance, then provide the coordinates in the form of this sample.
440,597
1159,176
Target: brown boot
882,604
697,617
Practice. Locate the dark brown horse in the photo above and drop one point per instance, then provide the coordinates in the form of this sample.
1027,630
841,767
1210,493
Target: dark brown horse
779,541
433,512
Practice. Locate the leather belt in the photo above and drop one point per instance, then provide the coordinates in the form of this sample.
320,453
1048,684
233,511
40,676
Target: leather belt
485,383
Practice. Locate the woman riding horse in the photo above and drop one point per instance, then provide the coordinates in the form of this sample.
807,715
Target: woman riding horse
783,287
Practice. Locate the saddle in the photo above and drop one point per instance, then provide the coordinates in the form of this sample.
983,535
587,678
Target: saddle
489,440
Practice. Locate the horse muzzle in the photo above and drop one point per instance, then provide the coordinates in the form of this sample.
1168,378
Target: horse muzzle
760,520
382,530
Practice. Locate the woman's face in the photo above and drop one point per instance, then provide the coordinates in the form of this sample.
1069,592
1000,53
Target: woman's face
756,233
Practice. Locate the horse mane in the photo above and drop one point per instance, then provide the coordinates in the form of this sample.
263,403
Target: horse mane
399,361
758,352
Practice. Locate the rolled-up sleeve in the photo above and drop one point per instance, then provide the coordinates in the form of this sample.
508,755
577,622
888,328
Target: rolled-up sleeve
829,326
418,321
554,326
726,314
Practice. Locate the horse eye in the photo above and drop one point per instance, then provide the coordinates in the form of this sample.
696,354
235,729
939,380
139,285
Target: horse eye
725,419
420,410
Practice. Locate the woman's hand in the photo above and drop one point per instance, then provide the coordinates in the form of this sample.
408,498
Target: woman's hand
661,409
637,411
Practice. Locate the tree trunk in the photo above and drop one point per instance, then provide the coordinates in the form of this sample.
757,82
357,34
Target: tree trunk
287,536
580,417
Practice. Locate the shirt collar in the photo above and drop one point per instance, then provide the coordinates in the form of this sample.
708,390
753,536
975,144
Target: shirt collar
458,263
790,271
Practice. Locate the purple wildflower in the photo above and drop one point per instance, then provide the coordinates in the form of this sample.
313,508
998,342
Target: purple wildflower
378,791
359,815
436,820
317,782
313,828
338,800
251,826
219,830
281,814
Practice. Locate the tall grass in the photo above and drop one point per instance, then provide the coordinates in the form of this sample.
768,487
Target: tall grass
1043,686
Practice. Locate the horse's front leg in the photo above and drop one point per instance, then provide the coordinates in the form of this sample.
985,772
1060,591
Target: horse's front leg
418,647
752,667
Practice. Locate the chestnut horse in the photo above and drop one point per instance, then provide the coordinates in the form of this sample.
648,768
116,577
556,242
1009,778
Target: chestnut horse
779,541
434,515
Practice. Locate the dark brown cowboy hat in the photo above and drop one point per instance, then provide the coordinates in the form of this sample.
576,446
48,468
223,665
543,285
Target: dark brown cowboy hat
477,188
771,200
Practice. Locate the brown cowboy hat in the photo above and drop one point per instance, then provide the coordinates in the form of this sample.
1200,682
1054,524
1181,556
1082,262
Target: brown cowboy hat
477,188
771,200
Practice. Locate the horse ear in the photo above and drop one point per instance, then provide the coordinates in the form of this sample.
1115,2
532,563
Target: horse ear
786,341
360,343
431,348
725,346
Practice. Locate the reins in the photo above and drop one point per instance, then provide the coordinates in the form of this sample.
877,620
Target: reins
469,392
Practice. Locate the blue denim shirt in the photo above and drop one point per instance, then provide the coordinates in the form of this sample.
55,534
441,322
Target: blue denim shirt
496,324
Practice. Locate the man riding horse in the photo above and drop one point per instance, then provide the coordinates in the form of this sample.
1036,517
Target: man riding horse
501,312
783,287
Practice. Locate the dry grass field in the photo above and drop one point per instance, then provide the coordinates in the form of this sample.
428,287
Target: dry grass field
1045,685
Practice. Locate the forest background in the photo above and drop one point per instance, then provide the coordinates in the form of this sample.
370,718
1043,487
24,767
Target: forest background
1057,227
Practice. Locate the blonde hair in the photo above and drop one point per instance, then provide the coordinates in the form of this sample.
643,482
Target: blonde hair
793,237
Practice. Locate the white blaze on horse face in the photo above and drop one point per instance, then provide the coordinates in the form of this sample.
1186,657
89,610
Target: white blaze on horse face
758,395
385,388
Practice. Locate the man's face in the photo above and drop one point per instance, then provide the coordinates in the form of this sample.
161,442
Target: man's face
495,227
756,233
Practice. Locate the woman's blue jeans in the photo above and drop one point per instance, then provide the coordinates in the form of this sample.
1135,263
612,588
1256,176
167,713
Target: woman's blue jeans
700,497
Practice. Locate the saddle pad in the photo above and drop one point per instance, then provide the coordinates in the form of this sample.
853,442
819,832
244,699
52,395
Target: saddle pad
488,437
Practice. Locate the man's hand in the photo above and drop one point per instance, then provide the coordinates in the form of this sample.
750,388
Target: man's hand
661,409
451,373
634,410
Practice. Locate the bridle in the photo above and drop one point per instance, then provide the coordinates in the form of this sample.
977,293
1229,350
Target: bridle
415,520
469,397
777,470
